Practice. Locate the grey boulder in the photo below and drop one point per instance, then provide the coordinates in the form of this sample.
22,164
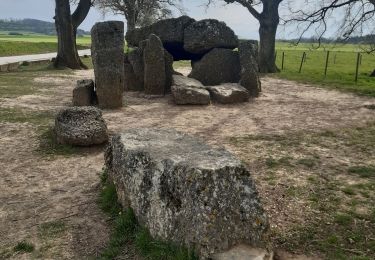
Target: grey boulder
216,67
184,191
84,93
229,93
188,91
81,126
202,36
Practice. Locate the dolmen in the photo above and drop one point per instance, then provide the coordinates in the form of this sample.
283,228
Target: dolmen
184,191
217,58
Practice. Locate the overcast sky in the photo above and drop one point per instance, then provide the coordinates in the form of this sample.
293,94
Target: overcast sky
237,17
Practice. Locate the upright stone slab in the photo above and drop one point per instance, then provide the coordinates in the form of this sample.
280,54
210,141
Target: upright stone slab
84,93
216,67
249,68
154,67
185,191
107,52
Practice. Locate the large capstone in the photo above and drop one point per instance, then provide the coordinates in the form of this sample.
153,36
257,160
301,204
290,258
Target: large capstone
81,126
107,52
249,68
84,93
185,191
188,91
202,36
171,33
216,67
155,79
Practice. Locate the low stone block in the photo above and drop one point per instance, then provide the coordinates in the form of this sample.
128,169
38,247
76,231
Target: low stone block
185,191
188,91
84,93
81,126
229,93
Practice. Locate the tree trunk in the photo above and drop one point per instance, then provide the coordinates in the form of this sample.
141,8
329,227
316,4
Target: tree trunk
66,27
269,21
67,54
372,74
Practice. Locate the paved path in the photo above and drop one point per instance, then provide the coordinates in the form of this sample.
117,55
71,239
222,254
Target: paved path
36,57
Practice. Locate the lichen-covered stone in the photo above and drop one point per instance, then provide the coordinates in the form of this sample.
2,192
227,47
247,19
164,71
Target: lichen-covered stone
81,126
229,93
107,52
154,67
84,93
135,58
188,91
202,36
249,68
185,191
216,67
169,71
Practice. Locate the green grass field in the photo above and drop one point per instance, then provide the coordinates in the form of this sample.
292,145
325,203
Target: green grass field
340,71
11,45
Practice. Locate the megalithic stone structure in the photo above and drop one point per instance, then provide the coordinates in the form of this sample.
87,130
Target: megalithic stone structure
107,52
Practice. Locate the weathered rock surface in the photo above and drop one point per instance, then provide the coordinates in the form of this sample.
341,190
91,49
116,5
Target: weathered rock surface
243,252
202,36
84,93
188,91
81,126
171,33
184,191
155,79
249,68
229,93
216,67
135,58
169,71
131,82
108,59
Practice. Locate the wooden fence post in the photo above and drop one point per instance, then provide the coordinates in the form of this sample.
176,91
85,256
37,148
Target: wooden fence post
357,67
282,61
302,59
326,67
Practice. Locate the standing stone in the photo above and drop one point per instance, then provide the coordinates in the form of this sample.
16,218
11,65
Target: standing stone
84,93
202,36
108,58
135,58
154,65
185,191
249,75
216,67
169,71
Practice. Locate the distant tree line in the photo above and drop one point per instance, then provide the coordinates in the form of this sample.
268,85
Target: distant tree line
366,39
31,25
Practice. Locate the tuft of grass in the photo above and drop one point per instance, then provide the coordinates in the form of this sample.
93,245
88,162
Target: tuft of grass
307,162
343,219
126,231
52,229
24,247
363,171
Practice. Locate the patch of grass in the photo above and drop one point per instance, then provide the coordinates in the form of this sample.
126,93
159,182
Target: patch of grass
24,247
349,191
13,115
283,161
341,69
343,219
52,229
363,171
181,64
49,146
127,232
307,162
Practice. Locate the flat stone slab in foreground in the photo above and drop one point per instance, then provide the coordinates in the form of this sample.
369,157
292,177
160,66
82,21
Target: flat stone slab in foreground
184,191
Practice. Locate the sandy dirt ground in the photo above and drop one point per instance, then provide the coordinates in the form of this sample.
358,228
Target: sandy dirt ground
38,192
